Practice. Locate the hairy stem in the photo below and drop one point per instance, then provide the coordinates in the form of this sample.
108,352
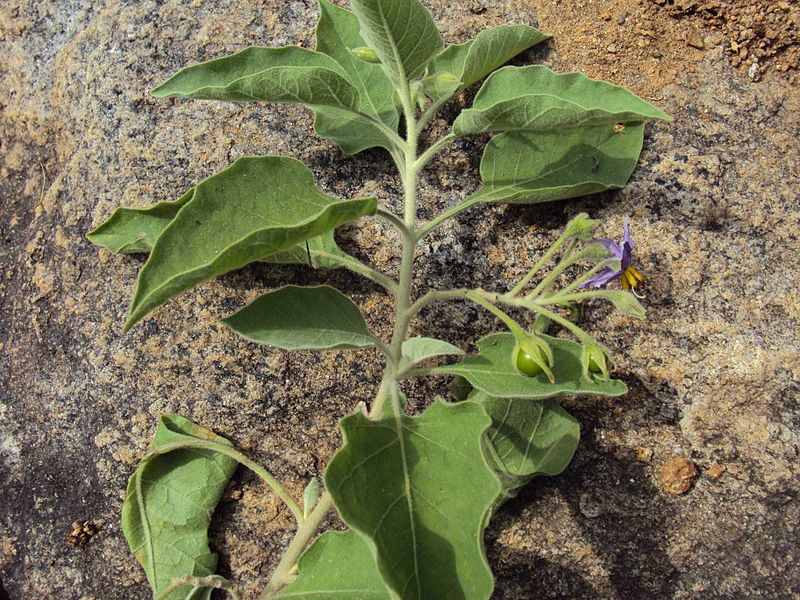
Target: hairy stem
358,267
281,576
409,168
539,264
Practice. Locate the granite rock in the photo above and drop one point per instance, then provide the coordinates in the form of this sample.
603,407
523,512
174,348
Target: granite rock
713,372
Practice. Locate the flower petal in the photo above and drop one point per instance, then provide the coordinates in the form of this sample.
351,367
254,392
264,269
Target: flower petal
611,246
627,239
601,278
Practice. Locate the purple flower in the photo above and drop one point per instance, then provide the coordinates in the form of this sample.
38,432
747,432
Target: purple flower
628,275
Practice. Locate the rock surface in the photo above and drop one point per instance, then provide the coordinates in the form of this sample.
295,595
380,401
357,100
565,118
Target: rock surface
713,373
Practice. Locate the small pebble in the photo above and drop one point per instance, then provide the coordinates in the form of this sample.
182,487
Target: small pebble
716,470
677,475
753,72
644,455
694,40
612,49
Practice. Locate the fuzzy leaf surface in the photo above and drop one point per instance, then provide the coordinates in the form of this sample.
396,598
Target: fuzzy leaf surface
418,490
401,32
493,371
338,566
535,98
135,230
417,349
530,167
256,74
473,60
303,318
528,437
168,508
254,208
337,35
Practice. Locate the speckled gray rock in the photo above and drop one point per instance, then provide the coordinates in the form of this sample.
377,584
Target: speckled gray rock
713,371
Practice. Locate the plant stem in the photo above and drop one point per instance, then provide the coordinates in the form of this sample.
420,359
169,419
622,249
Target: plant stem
426,156
392,218
445,215
357,266
302,537
409,169
231,452
539,264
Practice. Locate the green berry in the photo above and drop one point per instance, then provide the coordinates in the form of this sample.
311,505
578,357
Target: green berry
526,365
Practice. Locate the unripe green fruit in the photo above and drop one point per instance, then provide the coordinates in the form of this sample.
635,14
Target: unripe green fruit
594,367
525,364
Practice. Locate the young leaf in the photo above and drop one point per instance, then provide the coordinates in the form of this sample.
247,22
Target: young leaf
528,438
290,74
169,503
403,34
529,167
417,349
493,371
303,318
473,60
337,36
535,98
418,490
254,208
338,566
131,230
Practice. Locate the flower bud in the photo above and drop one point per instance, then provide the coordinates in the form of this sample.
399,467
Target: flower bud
595,359
626,303
582,227
366,54
532,355
446,78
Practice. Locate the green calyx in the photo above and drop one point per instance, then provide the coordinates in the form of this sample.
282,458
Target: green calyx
532,355
582,227
595,361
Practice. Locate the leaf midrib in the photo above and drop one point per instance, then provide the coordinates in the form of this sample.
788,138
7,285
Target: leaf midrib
523,182
239,241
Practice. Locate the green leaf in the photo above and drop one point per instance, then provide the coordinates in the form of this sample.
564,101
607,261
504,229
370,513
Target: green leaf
337,36
135,230
254,208
403,34
290,74
303,318
338,566
323,249
529,167
528,438
473,60
131,230
418,490
535,98
493,371
417,349
169,503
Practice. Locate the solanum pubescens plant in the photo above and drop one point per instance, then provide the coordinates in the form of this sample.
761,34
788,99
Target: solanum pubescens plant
415,491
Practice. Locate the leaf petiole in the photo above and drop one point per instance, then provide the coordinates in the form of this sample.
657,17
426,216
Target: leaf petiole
265,475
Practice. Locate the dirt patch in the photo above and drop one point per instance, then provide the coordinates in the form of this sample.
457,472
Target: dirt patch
761,36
